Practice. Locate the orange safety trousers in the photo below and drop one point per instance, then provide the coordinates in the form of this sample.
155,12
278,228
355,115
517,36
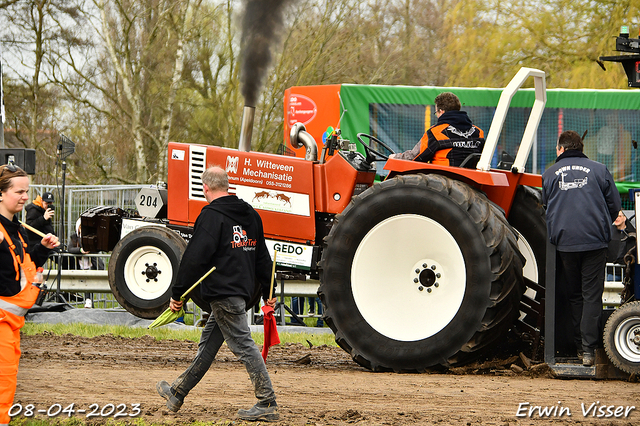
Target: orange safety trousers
11,321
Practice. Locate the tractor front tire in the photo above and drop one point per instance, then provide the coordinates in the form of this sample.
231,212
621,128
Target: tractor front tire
143,268
622,337
420,270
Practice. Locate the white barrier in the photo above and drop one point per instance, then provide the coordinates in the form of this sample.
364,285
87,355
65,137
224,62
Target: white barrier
78,280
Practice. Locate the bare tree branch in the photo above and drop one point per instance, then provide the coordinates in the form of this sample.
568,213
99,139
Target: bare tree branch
5,3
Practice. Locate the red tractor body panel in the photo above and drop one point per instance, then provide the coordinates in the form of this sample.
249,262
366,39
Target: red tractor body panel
503,195
335,182
286,191
317,107
280,188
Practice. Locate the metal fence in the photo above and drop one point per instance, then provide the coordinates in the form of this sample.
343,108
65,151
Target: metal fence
79,198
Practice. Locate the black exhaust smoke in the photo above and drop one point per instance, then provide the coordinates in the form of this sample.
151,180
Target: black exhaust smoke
261,25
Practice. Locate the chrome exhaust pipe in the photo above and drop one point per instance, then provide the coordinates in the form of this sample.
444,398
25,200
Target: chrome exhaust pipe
248,114
299,138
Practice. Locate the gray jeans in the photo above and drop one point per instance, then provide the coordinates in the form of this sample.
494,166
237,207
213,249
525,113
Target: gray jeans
228,322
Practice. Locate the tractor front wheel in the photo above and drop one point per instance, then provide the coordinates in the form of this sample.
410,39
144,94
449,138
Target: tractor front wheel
143,267
622,337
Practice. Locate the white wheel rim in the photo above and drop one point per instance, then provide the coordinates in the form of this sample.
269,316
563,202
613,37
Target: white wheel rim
148,272
384,287
627,339
530,269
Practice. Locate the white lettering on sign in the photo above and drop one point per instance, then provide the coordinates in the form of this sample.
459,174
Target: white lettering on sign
265,172
267,175
573,167
266,164
301,109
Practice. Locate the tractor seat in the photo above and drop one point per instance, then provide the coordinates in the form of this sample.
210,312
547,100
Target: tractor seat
471,161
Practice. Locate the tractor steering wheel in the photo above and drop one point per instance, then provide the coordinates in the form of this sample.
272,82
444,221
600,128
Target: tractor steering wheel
372,154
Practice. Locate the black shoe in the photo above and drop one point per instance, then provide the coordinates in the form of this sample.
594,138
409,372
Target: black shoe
588,359
266,412
164,390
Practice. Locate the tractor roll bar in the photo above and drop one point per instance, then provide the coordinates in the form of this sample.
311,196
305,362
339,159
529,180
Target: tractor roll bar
501,113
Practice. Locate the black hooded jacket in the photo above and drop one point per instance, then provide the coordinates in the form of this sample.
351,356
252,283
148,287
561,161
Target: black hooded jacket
9,286
35,218
228,234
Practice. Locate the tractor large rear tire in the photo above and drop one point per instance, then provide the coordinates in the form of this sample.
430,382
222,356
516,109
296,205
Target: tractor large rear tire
420,270
143,268
528,218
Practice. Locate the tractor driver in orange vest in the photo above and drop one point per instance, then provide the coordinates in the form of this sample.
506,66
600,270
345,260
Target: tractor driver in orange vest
452,139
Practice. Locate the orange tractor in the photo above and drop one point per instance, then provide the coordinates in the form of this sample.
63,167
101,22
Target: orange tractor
433,265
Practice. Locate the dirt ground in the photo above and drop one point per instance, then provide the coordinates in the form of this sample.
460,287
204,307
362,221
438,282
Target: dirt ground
314,386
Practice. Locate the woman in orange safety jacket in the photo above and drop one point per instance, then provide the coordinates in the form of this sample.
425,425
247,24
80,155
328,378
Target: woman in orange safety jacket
18,264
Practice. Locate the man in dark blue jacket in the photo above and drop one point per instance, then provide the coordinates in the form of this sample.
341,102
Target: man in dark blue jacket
451,139
582,201
227,234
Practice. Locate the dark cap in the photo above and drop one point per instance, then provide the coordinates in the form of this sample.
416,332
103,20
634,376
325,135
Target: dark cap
47,197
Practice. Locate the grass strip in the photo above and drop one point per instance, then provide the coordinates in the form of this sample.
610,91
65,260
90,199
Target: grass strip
94,330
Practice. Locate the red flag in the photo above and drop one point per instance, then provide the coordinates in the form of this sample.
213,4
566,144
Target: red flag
269,321
270,331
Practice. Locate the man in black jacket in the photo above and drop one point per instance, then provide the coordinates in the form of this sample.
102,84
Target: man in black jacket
39,215
227,234
451,140
582,201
